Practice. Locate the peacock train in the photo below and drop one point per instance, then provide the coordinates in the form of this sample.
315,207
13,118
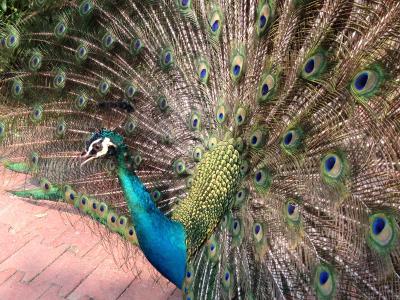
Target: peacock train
249,148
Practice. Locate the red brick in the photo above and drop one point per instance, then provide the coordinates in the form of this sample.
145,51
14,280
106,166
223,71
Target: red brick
33,258
68,271
20,213
105,282
6,274
52,293
141,289
11,242
14,289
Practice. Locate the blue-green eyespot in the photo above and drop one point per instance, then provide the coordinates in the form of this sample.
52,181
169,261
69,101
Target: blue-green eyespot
366,83
35,61
334,167
215,23
238,64
265,14
314,66
257,138
17,88
203,70
262,180
383,232
86,7
59,79
166,59
240,115
60,29
195,121
292,140
179,167
324,282
266,88
104,87
108,40
81,53
136,46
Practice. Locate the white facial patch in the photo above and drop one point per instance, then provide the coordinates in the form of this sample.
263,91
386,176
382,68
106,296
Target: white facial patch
106,143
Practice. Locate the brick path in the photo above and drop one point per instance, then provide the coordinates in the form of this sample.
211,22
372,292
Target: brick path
42,256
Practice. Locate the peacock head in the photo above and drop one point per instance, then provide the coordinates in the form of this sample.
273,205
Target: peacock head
104,143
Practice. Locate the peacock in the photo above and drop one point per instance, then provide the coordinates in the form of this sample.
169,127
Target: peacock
249,148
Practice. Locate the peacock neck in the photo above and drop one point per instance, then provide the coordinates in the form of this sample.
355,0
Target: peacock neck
161,239
167,243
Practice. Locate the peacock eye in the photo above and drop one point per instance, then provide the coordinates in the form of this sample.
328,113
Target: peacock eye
324,282
266,88
262,180
185,3
237,65
166,59
221,113
240,197
104,87
292,212
292,140
45,185
108,41
236,227
61,128
332,166
35,62
59,80
136,46
240,116
203,71
179,167
130,126
130,91
244,168
197,153
215,22
383,232
212,143
257,232
263,18
37,113
60,29
11,39
156,195
257,138
366,83
162,103
195,121
86,7
314,66
81,53
17,88
226,279
81,101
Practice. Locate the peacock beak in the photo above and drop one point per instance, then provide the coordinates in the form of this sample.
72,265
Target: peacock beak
87,156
